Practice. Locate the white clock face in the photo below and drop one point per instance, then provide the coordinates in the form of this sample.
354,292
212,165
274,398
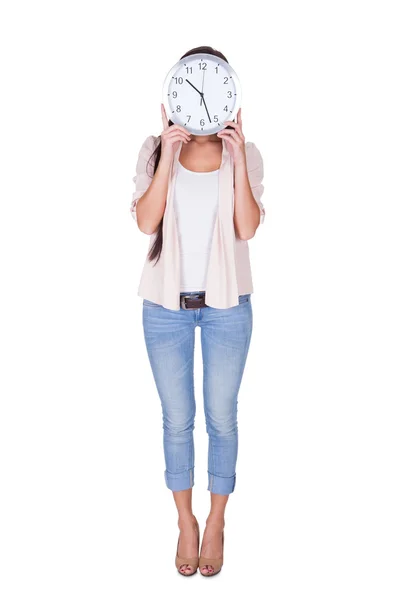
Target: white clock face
200,92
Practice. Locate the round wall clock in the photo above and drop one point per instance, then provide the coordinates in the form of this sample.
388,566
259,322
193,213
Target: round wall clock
200,92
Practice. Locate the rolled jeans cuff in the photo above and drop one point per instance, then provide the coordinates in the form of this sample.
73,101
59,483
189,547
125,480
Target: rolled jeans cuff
221,485
179,481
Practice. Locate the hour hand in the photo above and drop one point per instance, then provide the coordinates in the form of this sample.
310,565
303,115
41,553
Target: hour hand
194,87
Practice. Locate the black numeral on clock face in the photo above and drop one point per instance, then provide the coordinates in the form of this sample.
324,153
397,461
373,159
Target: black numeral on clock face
202,122
178,108
226,108
226,79
202,66
174,94
216,118
229,94
189,117
178,80
189,69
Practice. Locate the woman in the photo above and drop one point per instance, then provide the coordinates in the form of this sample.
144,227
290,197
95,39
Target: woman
200,203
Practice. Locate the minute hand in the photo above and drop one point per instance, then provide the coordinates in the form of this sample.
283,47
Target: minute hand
204,100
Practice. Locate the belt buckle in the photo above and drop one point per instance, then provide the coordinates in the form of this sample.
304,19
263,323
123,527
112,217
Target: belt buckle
182,302
183,305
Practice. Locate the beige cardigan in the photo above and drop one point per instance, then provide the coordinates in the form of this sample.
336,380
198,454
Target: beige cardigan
229,272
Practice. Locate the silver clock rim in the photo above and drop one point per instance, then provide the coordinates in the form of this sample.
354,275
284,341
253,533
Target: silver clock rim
231,71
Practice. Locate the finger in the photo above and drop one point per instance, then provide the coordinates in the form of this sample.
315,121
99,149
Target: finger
170,132
239,116
180,127
236,126
228,139
231,133
164,117
232,123
177,138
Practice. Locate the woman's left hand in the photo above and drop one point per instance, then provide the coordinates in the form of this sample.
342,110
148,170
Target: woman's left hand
235,139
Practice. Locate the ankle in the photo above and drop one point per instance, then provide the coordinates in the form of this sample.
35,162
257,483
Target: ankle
217,521
185,520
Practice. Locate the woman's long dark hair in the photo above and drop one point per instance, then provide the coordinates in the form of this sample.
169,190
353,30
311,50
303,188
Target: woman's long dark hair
156,248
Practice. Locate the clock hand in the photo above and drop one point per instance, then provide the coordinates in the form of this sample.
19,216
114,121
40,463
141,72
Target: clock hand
206,107
193,86
202,97
202,87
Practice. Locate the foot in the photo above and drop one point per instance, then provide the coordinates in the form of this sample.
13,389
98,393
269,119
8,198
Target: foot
211,546
188,542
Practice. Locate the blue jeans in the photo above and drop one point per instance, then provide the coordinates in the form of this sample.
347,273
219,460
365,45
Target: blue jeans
225,339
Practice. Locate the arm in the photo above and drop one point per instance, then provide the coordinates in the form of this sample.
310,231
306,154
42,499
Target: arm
151,191
249,211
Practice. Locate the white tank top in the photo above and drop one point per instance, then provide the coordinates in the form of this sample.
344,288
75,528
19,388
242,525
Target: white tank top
196,203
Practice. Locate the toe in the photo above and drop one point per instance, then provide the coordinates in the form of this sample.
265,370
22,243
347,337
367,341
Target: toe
186,569
207,569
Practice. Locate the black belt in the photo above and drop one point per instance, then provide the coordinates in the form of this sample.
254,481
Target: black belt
192,301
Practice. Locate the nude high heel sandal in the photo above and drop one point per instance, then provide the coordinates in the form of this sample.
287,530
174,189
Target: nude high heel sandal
215,563
193,561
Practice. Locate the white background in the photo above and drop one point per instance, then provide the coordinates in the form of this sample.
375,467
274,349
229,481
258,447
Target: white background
84,509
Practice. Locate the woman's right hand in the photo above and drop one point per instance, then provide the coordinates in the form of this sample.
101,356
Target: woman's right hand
171,136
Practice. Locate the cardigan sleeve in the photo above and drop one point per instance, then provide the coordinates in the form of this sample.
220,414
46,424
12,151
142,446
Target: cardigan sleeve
143,176
255,171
